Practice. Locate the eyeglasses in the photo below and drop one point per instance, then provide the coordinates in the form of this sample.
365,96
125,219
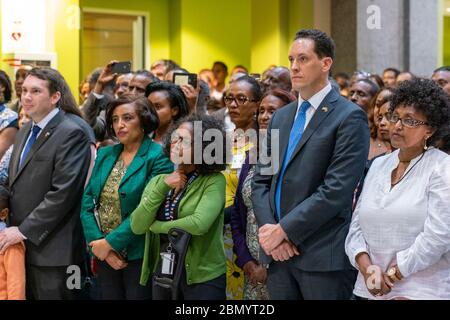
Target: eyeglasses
184,142
407,122
240,100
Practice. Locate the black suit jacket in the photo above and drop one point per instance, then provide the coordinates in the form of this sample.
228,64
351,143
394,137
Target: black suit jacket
45,194
319,181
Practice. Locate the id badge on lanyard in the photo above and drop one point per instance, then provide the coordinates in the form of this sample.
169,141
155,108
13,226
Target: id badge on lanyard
168,261
237,161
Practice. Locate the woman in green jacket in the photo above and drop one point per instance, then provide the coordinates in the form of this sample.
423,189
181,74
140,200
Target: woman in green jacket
191,199
119,177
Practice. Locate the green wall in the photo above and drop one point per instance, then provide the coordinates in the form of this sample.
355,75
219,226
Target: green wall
215,30
67,45
175,30
274,24
267,33
447,41
254,33
301,15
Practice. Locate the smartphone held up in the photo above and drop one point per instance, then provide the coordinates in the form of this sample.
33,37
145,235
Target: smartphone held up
122,67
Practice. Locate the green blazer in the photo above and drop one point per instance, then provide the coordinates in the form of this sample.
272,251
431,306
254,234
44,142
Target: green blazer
200,213
148,162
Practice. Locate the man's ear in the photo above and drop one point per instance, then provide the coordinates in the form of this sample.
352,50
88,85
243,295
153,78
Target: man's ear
55,98
327,62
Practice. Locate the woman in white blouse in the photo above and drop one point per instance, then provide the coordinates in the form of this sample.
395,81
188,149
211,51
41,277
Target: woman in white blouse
399,238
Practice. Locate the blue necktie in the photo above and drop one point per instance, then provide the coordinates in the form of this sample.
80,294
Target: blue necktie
31,141
294,138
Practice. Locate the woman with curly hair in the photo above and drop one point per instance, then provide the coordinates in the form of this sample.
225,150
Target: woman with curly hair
191,199
400,233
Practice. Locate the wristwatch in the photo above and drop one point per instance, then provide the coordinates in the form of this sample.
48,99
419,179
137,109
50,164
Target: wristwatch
394,274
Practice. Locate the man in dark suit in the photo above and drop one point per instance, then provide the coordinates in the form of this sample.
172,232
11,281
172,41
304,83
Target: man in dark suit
47,174
304,207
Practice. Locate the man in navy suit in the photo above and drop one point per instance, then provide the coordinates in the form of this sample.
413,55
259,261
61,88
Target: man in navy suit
304,208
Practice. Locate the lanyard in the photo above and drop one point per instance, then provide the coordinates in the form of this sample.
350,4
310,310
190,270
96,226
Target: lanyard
171,205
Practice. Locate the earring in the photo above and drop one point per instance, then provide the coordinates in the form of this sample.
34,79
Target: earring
425,147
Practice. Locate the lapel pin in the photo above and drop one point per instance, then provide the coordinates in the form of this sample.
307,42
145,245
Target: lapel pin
47,134
325,109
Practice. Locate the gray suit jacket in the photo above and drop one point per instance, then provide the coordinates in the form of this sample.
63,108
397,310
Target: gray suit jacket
319,182
45,194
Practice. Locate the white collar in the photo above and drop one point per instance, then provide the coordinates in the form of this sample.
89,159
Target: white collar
316,100
44,122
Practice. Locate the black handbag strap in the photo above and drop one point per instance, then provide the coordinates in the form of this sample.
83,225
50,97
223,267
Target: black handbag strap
180,240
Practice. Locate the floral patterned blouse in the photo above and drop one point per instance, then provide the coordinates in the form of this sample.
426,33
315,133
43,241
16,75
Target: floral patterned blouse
109,205
8,118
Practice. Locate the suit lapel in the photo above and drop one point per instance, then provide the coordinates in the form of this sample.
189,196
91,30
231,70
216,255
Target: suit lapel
138,161
285,130
43,138
14,165
324,110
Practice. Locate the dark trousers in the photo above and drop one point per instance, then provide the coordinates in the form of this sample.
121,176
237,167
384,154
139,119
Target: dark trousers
287,282
214,289
48,283
122,284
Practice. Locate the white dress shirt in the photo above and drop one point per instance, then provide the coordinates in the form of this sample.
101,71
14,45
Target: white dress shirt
315,101
408,226
41,124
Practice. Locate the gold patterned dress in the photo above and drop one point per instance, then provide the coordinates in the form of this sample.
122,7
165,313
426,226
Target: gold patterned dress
259,291
109,204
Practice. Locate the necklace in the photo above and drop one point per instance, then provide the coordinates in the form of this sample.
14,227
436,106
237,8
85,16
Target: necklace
172,200
380,144
407,172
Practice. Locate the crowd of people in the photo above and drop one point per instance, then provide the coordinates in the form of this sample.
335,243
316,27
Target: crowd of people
357,208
